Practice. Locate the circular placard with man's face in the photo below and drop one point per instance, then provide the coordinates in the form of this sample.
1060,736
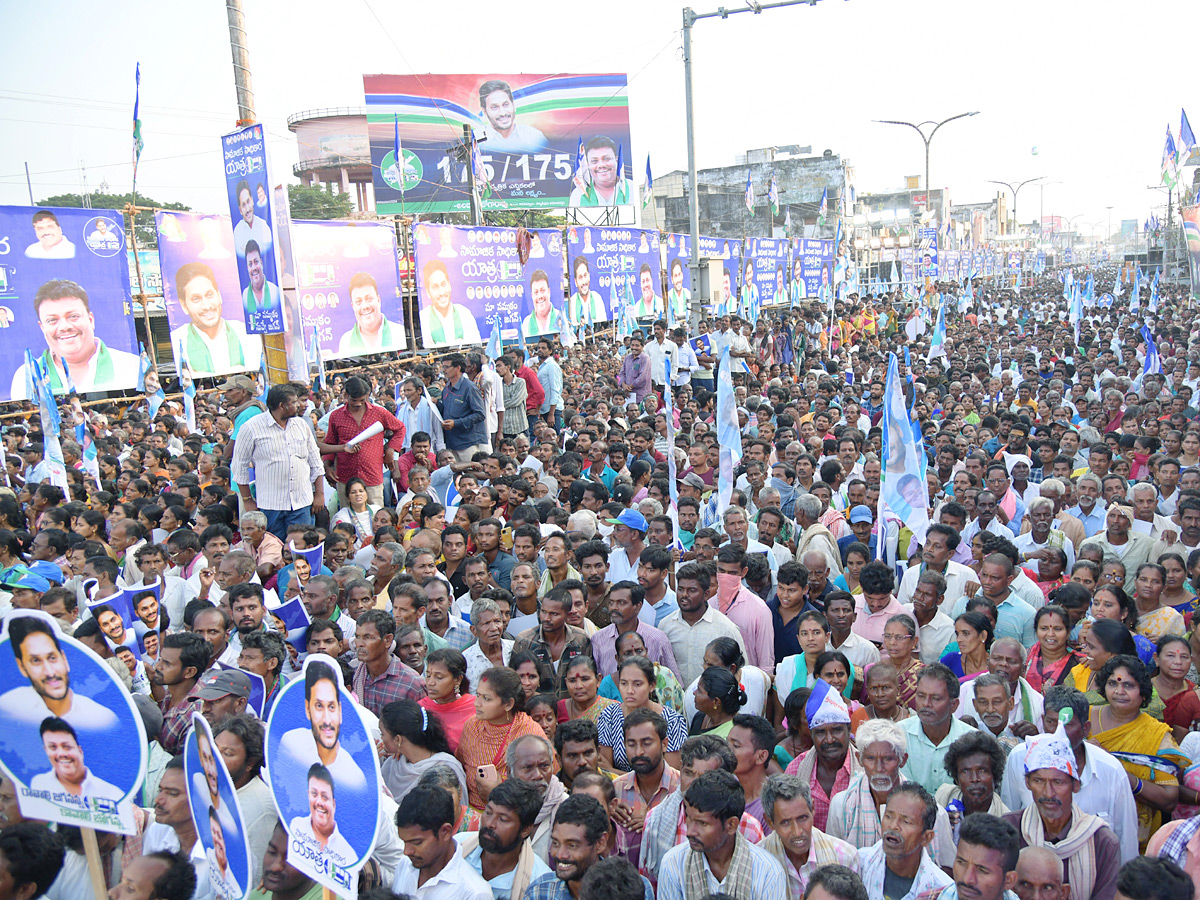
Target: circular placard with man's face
73,743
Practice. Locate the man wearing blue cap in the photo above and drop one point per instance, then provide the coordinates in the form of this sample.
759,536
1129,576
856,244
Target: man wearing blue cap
26,586
861,522
629,533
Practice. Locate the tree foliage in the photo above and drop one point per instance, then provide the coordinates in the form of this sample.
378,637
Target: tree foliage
317,203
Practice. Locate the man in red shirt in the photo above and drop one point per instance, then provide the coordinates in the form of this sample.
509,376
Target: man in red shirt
536,394
364,460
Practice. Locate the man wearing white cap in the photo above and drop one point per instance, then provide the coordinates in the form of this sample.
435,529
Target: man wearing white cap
1081,840
1104,785
828,767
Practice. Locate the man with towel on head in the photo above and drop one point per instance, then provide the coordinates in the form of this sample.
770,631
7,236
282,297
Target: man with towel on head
1087,846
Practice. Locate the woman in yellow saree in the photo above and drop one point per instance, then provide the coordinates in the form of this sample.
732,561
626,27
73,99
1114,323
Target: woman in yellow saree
1144,745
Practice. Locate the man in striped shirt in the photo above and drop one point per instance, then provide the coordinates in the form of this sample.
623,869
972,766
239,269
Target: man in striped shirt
288,477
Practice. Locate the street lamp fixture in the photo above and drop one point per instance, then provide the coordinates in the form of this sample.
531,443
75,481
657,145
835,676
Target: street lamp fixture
1016,189
928,139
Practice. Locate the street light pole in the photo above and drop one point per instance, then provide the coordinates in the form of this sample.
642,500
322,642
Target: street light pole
1016,190
928,139
690,17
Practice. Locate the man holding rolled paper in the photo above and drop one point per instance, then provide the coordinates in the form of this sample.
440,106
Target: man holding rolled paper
362,438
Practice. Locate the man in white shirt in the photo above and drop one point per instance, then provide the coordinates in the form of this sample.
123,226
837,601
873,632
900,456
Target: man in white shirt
940,543
659,351
212,344
432,867
935,628
443,323
492,388
686,363
51,243
317,833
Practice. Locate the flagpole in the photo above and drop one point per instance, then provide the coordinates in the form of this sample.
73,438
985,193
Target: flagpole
131,211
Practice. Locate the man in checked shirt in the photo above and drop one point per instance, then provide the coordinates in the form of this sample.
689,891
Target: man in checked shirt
289,478
363,460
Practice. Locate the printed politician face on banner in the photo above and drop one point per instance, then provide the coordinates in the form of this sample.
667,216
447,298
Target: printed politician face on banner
65,295
527,129
470,278
348,284
201,291
324,776
618,266
216,813
72,741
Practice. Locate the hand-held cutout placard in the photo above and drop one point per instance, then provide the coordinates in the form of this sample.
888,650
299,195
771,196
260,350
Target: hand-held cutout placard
324,776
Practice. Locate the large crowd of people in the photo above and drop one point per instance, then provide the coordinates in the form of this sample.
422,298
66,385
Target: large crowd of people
587,681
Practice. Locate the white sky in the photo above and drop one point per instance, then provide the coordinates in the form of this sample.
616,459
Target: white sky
1091,84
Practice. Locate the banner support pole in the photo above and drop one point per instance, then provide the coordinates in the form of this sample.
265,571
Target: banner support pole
91,848
131,211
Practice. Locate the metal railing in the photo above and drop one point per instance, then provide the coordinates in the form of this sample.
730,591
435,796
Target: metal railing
326,113
331,162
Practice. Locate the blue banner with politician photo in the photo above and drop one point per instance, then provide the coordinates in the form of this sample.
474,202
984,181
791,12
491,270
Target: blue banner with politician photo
244,153
812,269
349,287
613,269
73,743
470,278
767,268
679,247
203,294
324,776
64,290
217,815
927,252
537,141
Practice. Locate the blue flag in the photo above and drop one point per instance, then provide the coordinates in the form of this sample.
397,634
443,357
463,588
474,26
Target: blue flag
648,187
729,433
495,346
1153,365
266,381
672,477
143,366
749,194
823,211
902,480
189,392
315,358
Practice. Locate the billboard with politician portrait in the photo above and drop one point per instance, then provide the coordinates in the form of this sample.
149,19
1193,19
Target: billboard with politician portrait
203,295
767,265
349,287
64,289
244,153
679,247
612,269
528,128
812,268
471,277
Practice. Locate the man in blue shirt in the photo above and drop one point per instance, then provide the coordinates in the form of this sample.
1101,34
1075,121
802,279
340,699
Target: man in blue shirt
550,375
1090,510
461,406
